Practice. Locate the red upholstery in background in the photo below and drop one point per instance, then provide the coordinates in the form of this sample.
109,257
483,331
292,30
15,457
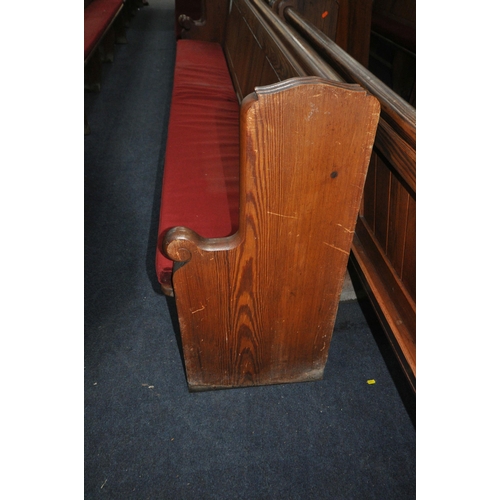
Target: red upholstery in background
97,17
201,176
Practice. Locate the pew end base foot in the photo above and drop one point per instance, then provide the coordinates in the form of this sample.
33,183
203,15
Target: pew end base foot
315,375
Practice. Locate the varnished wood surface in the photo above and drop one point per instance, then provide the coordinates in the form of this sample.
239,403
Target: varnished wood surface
309,60
401,338
259,307
353,31
254,54
260,50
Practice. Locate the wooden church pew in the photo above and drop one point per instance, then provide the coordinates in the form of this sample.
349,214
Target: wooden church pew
280,158
104,26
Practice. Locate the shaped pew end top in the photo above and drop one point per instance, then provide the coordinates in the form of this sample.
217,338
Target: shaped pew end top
295,116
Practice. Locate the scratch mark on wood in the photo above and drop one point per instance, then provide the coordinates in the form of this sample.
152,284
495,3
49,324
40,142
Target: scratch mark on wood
198,310
281,215
345,229
336,248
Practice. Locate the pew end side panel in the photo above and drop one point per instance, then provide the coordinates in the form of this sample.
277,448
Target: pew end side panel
259,307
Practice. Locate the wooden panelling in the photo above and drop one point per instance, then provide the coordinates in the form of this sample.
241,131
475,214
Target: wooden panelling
246,59
353,31
409,267
382,201
398,219
347,22
400,154
256,56
368,206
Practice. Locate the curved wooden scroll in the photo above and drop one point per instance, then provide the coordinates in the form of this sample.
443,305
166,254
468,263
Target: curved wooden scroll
259,307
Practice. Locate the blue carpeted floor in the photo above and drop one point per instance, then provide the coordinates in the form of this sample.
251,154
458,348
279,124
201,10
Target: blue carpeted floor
146,436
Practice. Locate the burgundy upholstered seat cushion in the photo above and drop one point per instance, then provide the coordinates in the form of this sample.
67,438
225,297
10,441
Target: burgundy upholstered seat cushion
201,176
97,17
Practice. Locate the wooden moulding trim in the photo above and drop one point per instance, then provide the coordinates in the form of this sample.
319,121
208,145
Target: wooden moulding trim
400,114
389,294
290,83
309,59
405,356
110,25
385,268
400,154
267,36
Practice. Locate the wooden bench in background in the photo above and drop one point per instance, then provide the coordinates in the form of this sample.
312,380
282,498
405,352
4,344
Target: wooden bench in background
265,165
104,25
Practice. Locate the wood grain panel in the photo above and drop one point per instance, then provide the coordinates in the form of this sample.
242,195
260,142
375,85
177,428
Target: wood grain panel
293,44
390,288
279,56
400,155
256,55
247,61
382,203
353,31
322,13
409,267
398,219
368,206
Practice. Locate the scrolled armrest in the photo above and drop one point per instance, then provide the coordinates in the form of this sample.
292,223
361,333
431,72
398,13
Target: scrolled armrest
179,243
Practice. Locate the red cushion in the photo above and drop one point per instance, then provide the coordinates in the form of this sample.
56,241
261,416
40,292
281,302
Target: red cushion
201,175
97,17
